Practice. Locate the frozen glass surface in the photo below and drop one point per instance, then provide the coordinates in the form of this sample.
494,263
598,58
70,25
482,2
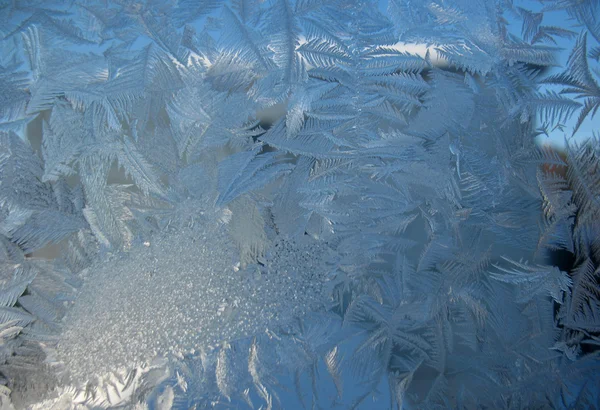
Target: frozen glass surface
281,204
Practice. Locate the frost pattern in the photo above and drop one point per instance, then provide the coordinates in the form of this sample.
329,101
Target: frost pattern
299,203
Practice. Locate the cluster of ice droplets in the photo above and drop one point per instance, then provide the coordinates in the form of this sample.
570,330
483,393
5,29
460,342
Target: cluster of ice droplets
184,291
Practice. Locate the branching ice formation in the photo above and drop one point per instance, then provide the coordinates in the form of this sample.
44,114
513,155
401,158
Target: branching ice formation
299,203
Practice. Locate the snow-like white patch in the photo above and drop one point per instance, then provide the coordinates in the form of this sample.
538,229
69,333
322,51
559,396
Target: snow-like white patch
181,293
